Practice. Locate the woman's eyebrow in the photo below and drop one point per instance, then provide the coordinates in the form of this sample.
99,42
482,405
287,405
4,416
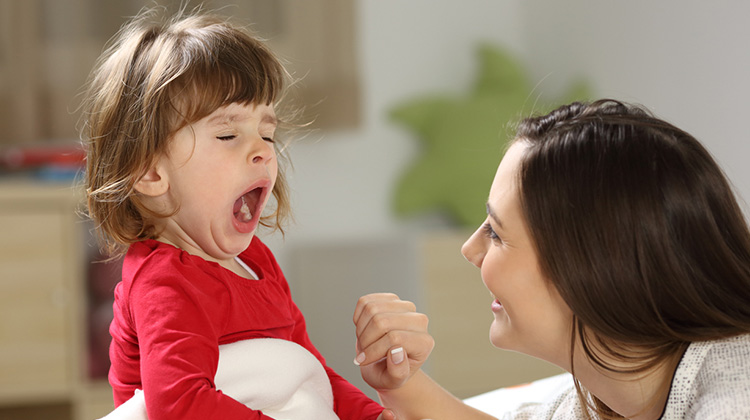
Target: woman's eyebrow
493,215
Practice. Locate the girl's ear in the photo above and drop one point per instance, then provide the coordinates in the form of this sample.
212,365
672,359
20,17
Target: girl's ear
153,183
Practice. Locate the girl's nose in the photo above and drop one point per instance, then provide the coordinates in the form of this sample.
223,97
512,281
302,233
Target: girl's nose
261,152
474,248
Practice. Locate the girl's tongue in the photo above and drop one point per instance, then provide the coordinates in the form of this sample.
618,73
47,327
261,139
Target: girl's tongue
243,205
243,214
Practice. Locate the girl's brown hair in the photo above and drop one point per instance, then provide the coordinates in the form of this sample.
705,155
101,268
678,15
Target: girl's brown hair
157,76
639,230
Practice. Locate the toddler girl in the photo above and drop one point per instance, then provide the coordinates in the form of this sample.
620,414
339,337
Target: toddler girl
180,129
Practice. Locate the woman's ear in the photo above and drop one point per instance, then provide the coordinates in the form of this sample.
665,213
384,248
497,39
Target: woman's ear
153,183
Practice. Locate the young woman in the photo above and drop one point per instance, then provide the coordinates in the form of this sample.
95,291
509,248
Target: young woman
614,248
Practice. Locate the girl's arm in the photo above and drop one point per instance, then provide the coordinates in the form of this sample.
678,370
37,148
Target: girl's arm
393,343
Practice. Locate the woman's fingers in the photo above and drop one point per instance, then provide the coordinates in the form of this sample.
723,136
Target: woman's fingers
388,329
378,303
397,366
418,345
392,340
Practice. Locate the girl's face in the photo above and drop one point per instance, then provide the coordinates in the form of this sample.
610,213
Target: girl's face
530,316
220,172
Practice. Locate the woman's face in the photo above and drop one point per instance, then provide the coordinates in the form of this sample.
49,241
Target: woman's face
530,316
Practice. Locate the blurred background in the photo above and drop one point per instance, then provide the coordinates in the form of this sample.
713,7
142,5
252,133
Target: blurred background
412,103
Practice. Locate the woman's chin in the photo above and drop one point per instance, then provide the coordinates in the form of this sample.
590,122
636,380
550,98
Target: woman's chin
498,337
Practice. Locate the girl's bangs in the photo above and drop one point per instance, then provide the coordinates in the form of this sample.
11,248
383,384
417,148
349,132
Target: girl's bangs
254,77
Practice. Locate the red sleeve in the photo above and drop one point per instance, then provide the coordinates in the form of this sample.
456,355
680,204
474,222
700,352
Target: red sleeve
178,340
349,402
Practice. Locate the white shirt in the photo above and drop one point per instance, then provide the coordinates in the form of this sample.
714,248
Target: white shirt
712,381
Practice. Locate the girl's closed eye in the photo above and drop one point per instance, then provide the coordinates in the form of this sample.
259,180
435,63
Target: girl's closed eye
227,137
268,139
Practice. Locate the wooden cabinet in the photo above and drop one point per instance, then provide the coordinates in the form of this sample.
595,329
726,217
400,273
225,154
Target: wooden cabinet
42,304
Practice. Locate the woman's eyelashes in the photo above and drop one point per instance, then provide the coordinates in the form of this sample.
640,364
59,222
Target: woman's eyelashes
490,233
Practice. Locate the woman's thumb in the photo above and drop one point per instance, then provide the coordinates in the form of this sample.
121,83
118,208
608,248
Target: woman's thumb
398,368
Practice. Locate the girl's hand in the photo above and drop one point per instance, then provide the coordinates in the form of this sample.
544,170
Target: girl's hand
387,415
392,340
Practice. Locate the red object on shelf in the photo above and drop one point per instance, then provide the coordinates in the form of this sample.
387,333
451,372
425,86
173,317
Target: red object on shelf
26,157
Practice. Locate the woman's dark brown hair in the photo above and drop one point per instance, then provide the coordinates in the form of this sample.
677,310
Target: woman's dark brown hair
639,230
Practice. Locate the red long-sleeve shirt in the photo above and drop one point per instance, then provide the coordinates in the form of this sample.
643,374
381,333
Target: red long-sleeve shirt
172,310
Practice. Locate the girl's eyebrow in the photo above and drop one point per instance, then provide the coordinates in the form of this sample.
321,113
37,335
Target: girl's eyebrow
269,118
223,118
493,215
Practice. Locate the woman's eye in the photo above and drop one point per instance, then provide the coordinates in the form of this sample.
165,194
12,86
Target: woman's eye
490,233
227,137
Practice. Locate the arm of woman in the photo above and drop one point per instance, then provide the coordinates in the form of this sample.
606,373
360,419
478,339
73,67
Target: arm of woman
392,345
423,398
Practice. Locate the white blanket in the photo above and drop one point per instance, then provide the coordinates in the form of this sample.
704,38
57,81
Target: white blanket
505,400
278,377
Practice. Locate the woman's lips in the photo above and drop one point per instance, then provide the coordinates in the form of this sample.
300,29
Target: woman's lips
496,306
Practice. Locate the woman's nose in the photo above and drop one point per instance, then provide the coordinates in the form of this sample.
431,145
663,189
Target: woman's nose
473,249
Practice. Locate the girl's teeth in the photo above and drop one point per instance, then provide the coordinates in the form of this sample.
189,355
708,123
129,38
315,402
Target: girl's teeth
244,214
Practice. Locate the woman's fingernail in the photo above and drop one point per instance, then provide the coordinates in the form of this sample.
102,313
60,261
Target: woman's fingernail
397,355
360,358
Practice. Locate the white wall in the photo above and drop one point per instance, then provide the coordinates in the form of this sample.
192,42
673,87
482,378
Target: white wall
689,61
343,180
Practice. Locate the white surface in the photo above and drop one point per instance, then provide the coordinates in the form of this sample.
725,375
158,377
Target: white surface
503,400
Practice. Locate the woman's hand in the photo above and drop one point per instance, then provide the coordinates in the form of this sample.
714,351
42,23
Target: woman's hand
392,340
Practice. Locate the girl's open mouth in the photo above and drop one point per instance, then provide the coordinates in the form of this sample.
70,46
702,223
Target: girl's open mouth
247,205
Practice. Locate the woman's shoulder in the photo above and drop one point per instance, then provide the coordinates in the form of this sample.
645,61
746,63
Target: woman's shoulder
722,385
729,354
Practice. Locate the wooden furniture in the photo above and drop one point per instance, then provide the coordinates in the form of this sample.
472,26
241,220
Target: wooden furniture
42,306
